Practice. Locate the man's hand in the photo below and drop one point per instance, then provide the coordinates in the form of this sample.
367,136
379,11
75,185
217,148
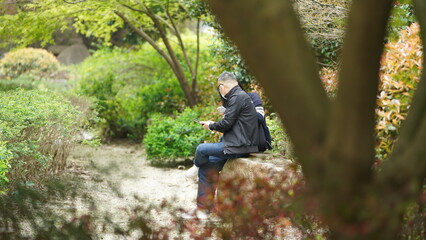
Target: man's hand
206,124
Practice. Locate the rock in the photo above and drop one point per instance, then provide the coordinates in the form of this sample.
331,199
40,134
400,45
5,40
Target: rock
282,172
74,54
244,167
181,167
56,49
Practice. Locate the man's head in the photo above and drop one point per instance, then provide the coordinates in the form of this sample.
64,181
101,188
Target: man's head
226,82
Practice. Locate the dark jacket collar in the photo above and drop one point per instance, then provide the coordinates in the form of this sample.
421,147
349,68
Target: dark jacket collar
232,91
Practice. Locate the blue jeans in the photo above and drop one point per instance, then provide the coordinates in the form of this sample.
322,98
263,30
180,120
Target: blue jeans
210,158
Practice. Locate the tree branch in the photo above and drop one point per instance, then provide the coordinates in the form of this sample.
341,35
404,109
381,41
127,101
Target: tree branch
144,12
180,74
288,72
182,46
133,8
145,36
351,139
74,2
197,58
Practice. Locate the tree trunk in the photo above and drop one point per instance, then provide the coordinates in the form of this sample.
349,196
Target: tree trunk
170,56
334,140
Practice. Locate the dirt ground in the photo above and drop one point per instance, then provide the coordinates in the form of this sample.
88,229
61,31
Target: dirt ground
123,166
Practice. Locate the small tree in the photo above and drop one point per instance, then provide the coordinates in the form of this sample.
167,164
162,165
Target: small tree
149,19
334,139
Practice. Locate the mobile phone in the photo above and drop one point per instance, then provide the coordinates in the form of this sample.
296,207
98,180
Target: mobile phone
221,109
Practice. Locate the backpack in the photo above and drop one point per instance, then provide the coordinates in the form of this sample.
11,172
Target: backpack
264,134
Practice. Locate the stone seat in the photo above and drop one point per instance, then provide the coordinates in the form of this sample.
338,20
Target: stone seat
270,167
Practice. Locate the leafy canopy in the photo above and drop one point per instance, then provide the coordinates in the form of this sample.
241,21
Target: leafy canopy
37,20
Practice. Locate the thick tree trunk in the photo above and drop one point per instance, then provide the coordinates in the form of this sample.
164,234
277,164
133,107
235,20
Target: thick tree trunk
334,140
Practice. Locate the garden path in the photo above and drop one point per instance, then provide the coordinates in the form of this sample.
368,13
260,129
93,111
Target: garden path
122,166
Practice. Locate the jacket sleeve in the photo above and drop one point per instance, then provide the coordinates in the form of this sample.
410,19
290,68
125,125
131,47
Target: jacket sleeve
231,115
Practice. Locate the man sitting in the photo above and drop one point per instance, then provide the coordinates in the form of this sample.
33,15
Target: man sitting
240,137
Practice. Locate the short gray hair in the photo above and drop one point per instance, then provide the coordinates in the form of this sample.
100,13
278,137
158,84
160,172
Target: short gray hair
227,77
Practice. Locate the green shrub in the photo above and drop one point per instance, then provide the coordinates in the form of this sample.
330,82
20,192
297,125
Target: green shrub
400,71
127,86
39,128
399,75
280,141
169,138
5,156
31,61
24,81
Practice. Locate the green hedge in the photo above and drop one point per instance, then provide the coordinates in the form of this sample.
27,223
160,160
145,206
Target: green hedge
169,138
5,156
38,128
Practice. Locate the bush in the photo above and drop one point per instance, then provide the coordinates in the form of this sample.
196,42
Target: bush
5,156
169,138
127,86
24,81
38,63
401,68
399,76
329,81
39,128
280,141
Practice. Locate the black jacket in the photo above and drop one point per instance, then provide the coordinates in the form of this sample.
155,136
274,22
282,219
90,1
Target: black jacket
239,125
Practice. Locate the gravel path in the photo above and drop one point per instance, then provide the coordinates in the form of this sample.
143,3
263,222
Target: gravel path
123,166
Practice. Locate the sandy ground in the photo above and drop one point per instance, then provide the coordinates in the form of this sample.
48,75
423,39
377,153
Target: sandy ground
123,166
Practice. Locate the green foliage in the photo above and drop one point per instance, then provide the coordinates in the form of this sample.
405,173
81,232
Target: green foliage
168,138
37,63
39,128
38,20
400,71
280,141
327,51
127,87
402,16
401,68
25,81
5,156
